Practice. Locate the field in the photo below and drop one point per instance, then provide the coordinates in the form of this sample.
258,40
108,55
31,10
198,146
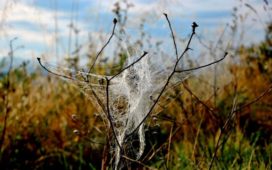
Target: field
218,116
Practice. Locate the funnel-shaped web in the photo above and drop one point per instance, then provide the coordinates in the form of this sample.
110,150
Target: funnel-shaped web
127,98
131,95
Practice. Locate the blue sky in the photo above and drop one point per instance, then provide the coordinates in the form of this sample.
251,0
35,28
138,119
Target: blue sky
34,22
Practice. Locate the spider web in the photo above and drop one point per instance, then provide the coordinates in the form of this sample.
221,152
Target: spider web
131,94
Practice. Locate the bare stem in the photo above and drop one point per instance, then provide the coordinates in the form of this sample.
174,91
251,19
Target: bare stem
99,53
108,113
127,67
231,116
210,111
6,98
194,25
203,66
173,36
56,74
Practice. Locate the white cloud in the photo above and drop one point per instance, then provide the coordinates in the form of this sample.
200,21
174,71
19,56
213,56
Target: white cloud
43,23
38,28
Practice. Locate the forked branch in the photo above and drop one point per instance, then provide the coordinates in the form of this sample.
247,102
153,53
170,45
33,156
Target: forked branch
132,64
108,81
52,72
109,114
174,70
187,48
230,118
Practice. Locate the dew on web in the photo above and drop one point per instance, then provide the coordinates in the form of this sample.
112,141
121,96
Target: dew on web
127,98
131,95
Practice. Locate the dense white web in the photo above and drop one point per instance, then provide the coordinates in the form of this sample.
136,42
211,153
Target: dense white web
131,95
127,98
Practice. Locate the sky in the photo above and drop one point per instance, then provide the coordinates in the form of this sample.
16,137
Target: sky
43,28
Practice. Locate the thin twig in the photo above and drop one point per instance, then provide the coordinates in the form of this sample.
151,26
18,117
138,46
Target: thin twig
268,90
172,34
203,66
6,98
210,111
127,67
108,112
105,155
71,78
161,146
169,145
194,25
231,116
99,53
138,162
196,138
56,74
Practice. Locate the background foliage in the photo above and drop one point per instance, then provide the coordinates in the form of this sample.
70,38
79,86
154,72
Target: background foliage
50,124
